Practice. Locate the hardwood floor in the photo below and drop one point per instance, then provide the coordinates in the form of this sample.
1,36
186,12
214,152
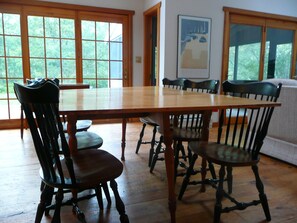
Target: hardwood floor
144,194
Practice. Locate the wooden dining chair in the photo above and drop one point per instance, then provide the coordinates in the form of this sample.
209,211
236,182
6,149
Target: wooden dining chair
85,139
175,84
240,136
187,128
60,169
81,125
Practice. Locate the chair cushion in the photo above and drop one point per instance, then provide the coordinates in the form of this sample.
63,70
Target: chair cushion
222,154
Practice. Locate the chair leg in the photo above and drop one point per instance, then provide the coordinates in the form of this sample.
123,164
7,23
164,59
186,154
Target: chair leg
262,195
229,179
75,209
219,196
140,138
46,194
107,195
119,203
59,198
155,156
153,141
178,148
186,179
99,197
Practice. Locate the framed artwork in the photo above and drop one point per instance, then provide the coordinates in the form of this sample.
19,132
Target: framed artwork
193,55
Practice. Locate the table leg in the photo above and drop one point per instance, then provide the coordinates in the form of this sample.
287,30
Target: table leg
204,137
124,125
169,162
71,130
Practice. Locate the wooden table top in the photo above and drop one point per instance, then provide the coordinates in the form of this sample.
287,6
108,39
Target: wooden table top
131,100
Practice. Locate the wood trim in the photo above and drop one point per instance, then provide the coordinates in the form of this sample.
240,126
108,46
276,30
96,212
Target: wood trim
69,6
259,14
225,53
147,52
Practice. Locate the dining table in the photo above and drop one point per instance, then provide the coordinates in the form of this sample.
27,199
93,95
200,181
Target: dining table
158,103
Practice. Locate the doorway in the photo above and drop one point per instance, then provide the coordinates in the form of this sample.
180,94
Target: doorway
151,46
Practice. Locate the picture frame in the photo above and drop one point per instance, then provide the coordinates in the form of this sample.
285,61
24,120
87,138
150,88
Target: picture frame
193,53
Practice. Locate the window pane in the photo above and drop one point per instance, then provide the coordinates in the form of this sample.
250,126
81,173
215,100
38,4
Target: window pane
11,24
116,32
88,48
52,27
10,86
103,84
36,47
88,30
102,51
116,83
15,109
37,68
115,69
2,67
3,90
14,67
68,49
278,53
53,68
102,31
116,51
69,68
103,69
244,52
4,105
13,46
1,25
1,46
52,48
89,69
35,26
67,28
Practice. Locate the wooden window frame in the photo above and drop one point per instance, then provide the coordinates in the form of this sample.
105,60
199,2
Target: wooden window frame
62,10
246,17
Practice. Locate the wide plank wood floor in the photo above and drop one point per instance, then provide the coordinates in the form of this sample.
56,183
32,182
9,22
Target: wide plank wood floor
144,194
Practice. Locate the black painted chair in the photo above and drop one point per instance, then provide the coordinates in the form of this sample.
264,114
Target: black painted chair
61,170
175,84
85,139
241,132
188,127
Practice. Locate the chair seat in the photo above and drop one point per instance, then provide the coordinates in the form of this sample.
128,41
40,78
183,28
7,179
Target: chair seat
93,167
185,134
87,140
148,121
222,154
81,125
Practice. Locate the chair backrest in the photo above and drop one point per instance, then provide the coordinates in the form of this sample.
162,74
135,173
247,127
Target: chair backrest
246,128
193,121
176,84
40,104
208,86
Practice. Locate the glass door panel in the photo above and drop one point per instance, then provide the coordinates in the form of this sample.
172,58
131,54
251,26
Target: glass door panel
244,52
52,48
278,53
102,53
11,65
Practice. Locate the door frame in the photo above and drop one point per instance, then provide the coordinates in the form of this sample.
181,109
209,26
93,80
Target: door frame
147,51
